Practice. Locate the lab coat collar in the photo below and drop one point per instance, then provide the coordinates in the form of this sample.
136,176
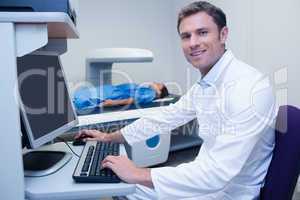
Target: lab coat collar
215,72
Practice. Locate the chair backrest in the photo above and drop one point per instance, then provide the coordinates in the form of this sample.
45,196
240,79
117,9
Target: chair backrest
284,168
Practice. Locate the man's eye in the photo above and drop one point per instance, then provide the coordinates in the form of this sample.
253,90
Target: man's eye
184,37
203,33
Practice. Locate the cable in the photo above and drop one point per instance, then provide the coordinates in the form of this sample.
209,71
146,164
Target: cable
64,141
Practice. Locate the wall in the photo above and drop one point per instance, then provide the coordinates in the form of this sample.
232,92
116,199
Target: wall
123,23
275,44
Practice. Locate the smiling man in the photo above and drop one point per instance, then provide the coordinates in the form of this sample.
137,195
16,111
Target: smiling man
203,39
233,103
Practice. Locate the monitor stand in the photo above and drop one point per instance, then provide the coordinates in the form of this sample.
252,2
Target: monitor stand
43,163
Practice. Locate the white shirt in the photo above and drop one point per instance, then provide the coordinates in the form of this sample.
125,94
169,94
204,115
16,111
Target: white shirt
234,106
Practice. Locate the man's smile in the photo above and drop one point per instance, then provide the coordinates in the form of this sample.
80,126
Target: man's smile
197,53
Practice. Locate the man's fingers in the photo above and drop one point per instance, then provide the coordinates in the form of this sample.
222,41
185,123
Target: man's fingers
91,139
123,157
109,165
112,159
79,134
91,135
84,133
88,132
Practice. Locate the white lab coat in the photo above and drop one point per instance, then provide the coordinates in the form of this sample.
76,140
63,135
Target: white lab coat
234,106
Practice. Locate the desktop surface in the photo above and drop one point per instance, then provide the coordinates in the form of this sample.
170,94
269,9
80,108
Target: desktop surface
60,185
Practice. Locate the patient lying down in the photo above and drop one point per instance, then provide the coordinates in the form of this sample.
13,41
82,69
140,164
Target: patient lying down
117,95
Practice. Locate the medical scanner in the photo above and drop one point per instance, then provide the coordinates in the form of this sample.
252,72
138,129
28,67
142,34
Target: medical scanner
100,61
153,151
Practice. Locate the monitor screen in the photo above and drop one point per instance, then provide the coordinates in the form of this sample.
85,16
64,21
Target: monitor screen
46,107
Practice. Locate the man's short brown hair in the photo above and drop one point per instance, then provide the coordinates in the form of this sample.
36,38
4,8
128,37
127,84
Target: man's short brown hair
216,13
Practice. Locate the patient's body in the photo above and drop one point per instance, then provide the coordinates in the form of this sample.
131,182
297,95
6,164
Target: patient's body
115,95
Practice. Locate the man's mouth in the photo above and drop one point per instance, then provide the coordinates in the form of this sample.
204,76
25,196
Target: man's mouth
197,53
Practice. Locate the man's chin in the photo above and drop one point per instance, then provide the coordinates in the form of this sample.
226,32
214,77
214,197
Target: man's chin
199,66
202,68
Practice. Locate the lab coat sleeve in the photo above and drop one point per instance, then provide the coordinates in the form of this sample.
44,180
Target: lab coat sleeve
222,157
161,121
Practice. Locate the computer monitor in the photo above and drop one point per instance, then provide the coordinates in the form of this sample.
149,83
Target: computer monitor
46,110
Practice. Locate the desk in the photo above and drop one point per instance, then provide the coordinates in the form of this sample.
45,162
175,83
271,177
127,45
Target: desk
60,185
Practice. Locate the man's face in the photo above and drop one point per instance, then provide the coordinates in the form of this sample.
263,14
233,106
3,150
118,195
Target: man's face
202,42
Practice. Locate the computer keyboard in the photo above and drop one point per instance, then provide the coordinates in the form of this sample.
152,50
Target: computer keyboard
88,168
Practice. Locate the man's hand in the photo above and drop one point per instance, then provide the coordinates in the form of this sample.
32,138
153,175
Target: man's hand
93,135
100,136
127,171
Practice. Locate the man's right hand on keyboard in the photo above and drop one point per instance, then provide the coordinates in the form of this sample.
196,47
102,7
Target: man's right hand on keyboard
100,136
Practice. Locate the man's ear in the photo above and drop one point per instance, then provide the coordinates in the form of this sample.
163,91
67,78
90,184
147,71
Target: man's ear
224,34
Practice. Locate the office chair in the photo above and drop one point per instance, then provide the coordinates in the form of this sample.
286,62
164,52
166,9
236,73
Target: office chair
284,168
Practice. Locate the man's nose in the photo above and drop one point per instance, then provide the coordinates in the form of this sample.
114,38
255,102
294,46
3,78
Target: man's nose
194,41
